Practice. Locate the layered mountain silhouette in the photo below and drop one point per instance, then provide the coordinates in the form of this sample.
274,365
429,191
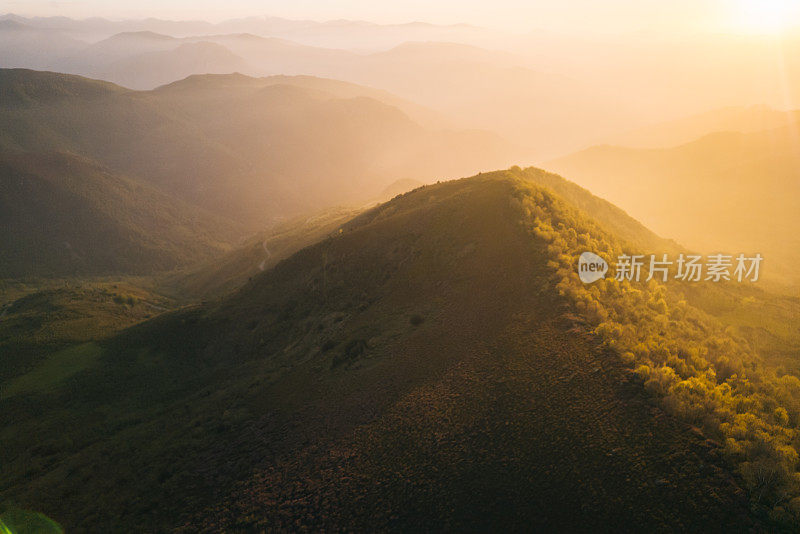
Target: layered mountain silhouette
339,34
23,45
252,150
473,86
164,66
742,119
429,364
552,93
723,192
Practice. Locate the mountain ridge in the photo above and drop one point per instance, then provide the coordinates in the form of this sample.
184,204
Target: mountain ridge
271,147
329,370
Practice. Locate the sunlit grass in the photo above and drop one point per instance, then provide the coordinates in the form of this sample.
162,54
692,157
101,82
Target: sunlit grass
26,522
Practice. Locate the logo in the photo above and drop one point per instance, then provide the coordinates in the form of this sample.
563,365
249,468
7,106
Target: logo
591,267
687,268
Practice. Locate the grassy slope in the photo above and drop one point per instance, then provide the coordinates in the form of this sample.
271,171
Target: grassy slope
65,215
261,252
40,322
425,347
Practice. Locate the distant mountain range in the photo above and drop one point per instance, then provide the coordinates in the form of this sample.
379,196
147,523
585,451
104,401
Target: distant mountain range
743,119
473,87
551,94
252,151
727,191
331,34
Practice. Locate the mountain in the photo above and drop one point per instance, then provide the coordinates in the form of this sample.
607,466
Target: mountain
743,119
272,56
546,113
27,46
250,150
115,48
21,88
426,117
65,215
150,69
341,34
551,92
144,60
434,364
476,88
218,276
97,28
723,192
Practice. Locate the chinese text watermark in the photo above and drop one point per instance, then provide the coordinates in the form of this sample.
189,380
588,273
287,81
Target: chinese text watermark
686,267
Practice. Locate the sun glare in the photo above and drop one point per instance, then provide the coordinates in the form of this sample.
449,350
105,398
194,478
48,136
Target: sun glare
768,16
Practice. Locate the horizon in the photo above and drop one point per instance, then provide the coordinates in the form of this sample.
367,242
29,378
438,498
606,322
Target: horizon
743,17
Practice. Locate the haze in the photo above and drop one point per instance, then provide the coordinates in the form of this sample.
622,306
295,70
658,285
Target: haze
570,17
314,266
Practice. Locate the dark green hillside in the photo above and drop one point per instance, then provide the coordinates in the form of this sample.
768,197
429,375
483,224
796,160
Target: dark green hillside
52,323
120,130
63,215
424,369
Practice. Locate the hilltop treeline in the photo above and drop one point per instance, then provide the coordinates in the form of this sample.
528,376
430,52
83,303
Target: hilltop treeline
699,369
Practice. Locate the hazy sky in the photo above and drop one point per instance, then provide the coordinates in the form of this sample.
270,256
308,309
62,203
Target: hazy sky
520,15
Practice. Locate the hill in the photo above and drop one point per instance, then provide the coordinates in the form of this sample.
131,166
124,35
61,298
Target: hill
21,88
53,326
744,119
66,216
93,60
725,191
28,46
528,100
424,116
550,92
219,276
149,69
436,364
282,149
341,34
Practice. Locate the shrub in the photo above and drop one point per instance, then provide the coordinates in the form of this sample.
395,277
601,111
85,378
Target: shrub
699,369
